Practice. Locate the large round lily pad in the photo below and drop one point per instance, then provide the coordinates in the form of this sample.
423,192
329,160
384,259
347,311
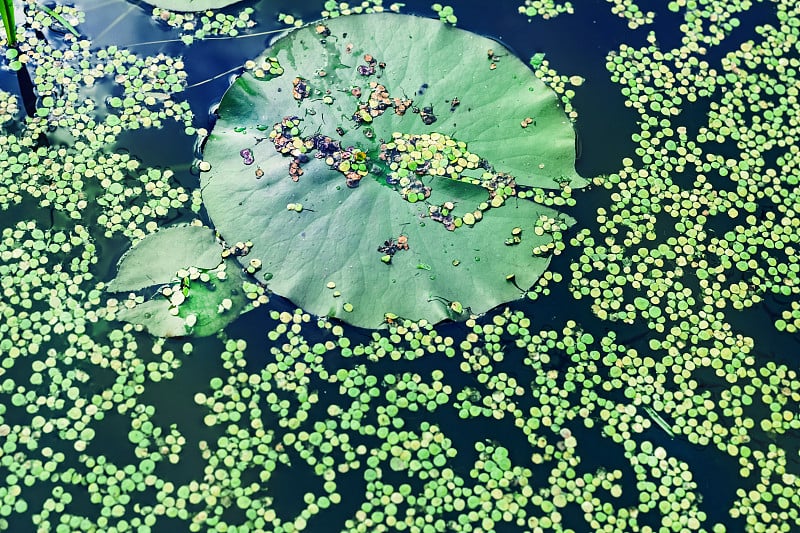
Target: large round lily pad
384,164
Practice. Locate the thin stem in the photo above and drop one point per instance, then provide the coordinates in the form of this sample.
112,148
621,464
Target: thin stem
60,19
259,34
113,23
199,83
7,13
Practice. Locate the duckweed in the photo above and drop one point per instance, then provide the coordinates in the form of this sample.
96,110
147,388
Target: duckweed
699,234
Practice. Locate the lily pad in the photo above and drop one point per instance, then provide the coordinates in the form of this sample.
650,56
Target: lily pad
193,297
155,259
396,157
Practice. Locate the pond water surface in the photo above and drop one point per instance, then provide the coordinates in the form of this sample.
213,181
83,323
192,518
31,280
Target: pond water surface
652,386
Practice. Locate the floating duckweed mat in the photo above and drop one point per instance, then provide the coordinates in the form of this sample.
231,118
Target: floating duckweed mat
402,171
546,9
200,26
191,5
671,405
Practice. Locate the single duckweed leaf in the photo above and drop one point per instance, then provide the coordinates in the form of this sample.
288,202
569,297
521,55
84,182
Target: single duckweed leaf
402,151
199,293
155,259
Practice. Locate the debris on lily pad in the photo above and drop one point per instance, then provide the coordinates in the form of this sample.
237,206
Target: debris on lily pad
379,146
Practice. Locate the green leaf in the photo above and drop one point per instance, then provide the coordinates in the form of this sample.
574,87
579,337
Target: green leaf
537,59
199,293
471,120
155,259
69,27
208,307
9,24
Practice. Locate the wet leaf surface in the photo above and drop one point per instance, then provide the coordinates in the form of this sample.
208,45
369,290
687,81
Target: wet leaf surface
193,295
155,259
308,166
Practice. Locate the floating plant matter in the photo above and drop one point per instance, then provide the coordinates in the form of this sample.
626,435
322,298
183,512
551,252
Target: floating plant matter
377,138
197,292
191,5
648,392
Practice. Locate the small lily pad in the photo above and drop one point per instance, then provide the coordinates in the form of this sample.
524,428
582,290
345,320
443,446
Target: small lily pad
185,297
155,259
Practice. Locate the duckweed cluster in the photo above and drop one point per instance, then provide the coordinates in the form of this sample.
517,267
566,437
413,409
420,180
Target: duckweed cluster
700,232
208,24
445,13
547,9
557,82
726,196
64,78
61,19
632,13
332,8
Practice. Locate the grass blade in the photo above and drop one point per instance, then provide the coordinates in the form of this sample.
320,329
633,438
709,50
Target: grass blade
658,420
7,12
60,19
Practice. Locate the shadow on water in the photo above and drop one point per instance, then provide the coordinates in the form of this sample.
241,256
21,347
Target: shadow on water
27,91
151,150
26,211
716,474
120,23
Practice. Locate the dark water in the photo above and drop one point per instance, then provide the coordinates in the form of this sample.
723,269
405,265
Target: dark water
574,44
